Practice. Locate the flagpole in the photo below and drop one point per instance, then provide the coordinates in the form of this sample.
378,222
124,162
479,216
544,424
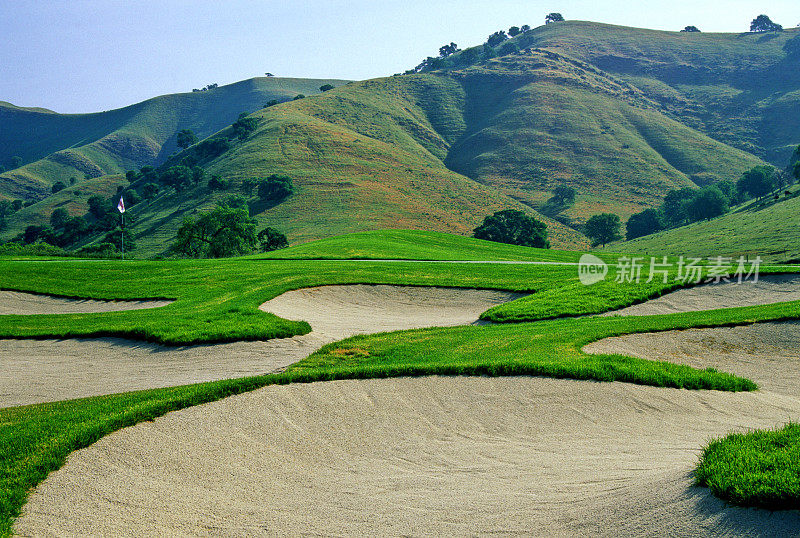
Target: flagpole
122,235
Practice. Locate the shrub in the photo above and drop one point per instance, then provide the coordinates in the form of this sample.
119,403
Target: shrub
513,227
271,239
275,188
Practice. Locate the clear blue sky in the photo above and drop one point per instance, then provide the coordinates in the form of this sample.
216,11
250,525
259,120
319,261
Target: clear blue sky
91,55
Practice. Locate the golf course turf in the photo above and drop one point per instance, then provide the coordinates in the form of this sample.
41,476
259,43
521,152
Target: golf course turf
218,301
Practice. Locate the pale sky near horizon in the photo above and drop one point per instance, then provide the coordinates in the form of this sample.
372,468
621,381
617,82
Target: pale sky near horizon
94,55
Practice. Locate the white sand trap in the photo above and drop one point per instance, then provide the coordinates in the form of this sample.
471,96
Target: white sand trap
20,303
419,456
767,353
769,289
34,371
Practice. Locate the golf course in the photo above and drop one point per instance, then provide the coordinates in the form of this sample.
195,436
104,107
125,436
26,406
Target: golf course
362,395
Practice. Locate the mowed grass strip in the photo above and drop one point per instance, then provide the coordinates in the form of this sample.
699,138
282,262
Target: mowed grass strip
35,440
759,468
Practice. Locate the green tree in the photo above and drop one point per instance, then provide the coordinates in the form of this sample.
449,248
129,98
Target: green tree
57,186
271,239
221,232
326,87
244,126
709,202
762,23
179,177
149,191
98,206
553,17
757,182
644,223
674,205
496,38
211,148
275,188
691,29
728,188
514,31
16,204
130,175
602,228
247,186
6,208
216,183
513,227
563,195
525,28
509,48
198,174
271,102
115,238
186,138
448,50
59,218
298,97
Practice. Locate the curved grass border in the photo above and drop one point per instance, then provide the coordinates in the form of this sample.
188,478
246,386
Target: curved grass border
758,469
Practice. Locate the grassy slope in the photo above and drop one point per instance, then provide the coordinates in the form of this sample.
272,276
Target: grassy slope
379,153
741,88
541,119
416,245
769,231
59,146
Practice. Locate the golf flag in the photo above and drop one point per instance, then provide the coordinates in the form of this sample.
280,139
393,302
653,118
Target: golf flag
121,205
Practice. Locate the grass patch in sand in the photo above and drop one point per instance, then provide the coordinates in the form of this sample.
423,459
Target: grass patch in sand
760,468
36,439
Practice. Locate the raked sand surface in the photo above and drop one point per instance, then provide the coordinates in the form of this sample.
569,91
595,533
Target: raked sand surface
20,303
34,371
436,455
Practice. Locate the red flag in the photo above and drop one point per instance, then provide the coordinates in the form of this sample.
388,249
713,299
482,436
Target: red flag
121,205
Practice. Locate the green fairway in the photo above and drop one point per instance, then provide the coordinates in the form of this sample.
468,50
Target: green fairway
217,300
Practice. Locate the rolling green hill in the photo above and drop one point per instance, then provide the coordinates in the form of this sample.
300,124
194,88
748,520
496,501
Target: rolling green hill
765,229
620,114
55,147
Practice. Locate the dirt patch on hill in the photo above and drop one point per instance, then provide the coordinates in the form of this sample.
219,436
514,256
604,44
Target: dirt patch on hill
418,456
37,371
20,303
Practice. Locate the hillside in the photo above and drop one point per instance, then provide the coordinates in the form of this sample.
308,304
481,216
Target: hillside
765,229
620,114
54,147
742,89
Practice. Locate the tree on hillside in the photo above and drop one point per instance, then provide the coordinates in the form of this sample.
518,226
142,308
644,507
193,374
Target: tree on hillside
448,50
58,218
270,239
98,206
728,188
602,228
513,227
179,177
298,97
691,29
275,188
149,191
709,202
514,31
525,28
186,138
216,183
245,125
646,222
58,186
212,147
496,38
553,17
796,171
674,206
762,23
219,233
563,195
757,182
326,87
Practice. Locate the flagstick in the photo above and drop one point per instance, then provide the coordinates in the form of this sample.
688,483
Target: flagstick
122,235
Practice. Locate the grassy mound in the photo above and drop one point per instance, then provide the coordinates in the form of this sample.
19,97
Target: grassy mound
759,468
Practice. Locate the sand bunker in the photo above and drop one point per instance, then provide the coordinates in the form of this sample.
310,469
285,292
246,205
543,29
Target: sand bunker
20,303
420,456
36,371
767,353
769,289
